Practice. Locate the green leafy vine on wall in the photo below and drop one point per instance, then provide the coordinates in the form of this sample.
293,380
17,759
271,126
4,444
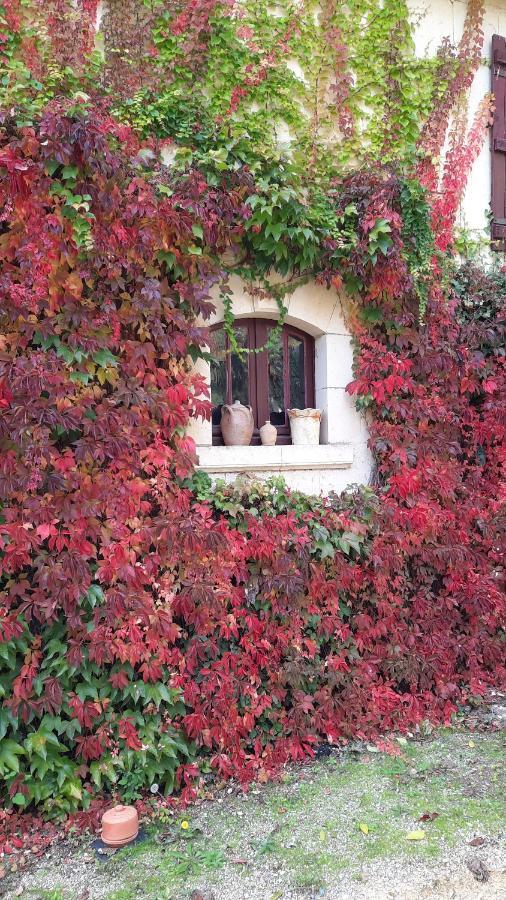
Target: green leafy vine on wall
294,95
288,59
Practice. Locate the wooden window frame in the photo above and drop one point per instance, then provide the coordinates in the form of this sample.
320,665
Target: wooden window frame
258,375
498,145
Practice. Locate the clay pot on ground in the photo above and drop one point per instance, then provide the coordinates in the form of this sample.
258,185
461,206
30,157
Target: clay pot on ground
305,425
237,424
268,434
120,826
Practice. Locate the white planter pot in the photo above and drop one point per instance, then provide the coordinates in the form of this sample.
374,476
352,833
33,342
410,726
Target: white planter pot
305,425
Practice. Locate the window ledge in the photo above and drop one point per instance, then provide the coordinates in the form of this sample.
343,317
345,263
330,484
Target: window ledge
284,458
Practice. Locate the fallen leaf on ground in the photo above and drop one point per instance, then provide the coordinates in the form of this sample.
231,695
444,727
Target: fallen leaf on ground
476,842
428,817
418,835
364,828
472,744
478,869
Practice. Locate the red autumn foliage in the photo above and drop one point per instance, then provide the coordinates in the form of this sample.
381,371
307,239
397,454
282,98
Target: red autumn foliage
164,622
458,71
459,159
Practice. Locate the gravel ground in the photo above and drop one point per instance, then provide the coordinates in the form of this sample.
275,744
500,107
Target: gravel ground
335,828
445,879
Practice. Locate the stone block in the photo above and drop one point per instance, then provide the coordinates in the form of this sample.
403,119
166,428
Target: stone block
333,361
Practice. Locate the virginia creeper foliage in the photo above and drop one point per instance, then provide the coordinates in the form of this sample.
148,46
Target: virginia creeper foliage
147,620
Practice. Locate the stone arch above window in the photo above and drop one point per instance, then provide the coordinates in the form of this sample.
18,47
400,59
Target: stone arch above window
311,307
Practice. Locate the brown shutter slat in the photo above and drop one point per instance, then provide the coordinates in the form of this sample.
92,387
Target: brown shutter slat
498,199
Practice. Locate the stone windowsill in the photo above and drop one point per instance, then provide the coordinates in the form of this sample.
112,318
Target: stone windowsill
279,458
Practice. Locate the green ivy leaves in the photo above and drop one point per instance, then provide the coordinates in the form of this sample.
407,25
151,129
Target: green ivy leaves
294,68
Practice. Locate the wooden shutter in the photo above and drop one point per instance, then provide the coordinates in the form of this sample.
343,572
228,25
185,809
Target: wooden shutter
498,200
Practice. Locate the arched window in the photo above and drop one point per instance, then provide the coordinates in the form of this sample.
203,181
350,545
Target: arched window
270,381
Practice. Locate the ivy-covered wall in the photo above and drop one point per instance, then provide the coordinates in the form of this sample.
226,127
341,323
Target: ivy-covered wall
331,84
153,629
436,19
292,97
223,83
338,84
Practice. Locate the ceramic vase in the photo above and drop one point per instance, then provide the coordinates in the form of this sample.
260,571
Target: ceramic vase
120,826
268,434
237,424
305,425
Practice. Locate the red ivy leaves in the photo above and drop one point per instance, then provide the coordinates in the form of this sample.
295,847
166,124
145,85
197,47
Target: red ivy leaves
85,711
458,71
273,645
128,733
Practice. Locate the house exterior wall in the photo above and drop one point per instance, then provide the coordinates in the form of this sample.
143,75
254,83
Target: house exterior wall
435,20
445,18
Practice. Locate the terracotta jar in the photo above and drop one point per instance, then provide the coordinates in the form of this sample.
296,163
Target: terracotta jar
268,434
305,425
120,826
237,424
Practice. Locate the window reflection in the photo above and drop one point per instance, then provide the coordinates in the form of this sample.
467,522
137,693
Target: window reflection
239,366
296,366
217,349
225,387
276,384
269,381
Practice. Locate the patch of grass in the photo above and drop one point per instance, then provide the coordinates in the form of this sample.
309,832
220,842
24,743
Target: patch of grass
173,867
307,869
390,795
307,826
40,894
122,894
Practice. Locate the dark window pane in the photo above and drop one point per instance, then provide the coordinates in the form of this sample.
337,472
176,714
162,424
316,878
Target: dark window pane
297,386
276,384
239,365
276,378
217,345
